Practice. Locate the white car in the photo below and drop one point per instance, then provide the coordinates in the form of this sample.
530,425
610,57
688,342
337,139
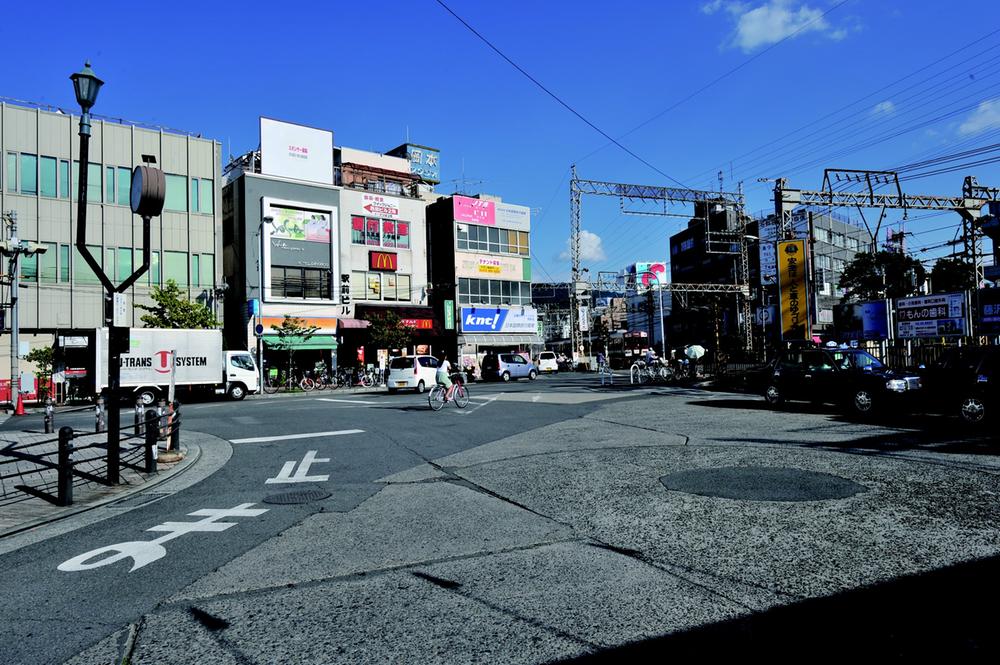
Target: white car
547,362
412,372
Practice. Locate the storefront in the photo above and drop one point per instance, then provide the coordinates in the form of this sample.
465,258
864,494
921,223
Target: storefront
490,329
424,334
306,352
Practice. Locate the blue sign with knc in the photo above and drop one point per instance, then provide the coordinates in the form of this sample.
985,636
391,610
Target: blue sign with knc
481,319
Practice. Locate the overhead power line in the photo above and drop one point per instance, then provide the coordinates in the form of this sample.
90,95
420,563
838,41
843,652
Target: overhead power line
555,96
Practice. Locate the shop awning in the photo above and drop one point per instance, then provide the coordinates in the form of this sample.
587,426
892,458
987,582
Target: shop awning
320,342
353,323
499,340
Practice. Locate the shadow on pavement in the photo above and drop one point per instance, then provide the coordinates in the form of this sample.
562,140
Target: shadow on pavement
945,614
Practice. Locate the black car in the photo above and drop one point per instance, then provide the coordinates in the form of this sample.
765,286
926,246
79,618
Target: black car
850,377
964,382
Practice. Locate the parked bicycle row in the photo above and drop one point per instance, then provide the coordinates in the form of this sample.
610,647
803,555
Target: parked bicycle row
282,379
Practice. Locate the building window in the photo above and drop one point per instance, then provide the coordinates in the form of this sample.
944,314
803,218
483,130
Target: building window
63,179
357,230
64,263
82,274
196,270
476,238
380,232
194,196
175,267
124,263
207,275
124,186
29,173
176,199
291,282
48,268
93,181
371,233
47,177
11,171
358,285
29,267
154,268
493,292
202,195
109,184
109,261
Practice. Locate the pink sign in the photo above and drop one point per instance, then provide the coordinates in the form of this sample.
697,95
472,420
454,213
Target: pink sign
474,211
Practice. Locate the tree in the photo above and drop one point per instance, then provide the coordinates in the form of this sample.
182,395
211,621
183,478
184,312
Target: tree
291,332
42,357
388,332
951,275
881,275
172,309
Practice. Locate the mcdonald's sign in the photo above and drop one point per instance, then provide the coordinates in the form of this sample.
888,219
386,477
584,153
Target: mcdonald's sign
385,261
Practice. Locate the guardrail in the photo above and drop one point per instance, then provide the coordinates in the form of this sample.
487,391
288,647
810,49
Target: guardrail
50,468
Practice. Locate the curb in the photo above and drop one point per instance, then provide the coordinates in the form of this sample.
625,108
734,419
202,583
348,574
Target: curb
193,455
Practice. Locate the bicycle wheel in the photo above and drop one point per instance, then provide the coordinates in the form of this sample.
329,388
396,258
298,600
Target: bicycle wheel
271,387
435,398
307,384
367,381
461,396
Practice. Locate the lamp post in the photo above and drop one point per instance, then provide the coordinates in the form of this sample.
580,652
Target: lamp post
659,293
147,196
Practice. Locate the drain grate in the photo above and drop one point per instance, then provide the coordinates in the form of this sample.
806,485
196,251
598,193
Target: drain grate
300,496
760,483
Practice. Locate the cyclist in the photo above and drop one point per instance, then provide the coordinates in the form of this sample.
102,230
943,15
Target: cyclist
601,362
443,376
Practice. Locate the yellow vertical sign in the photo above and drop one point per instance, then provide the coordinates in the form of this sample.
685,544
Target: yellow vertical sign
792,282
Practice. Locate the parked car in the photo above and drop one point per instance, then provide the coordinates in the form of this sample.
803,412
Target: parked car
416,372
507,366
547,362
850,377
964,382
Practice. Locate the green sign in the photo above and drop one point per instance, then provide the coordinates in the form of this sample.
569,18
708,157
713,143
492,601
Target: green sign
449,314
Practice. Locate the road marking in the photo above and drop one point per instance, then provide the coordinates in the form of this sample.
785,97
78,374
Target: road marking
289,437
144,552
343,401
536,397
288,474
465,412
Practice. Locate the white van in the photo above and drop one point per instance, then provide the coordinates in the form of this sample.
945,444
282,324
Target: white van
547,362
416,372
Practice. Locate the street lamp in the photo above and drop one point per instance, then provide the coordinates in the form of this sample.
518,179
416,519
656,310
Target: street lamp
147,196
659,293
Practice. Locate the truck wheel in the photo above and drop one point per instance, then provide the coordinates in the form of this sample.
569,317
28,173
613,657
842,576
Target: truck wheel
146,396
237,392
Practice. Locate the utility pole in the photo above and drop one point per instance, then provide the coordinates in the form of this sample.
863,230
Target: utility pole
14,247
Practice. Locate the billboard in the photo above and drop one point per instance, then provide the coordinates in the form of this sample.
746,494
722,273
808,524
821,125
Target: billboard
299,236
523,320
792,284
295,151
490,266
295,224
989,311
941,315
510,216
768,263
644,280
424,162
869,320
474,211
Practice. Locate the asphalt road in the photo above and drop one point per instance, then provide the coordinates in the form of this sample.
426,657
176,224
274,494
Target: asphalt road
59,602
56,614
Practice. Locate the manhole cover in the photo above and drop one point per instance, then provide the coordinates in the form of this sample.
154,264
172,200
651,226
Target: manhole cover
762,483
301,496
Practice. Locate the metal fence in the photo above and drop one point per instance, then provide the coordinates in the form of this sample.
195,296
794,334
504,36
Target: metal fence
39,465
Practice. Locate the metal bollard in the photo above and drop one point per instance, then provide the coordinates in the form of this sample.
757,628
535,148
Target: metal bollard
50,416
138,417
65,470
161,412
151,449
99,415
175,426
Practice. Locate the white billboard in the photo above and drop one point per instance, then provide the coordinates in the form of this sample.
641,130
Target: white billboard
295,151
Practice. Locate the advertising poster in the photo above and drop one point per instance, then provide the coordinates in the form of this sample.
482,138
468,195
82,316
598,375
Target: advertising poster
792,284
648,275
489,266
474,211
499,320
941,315
989,311
768,264
293,224
869,320
296,151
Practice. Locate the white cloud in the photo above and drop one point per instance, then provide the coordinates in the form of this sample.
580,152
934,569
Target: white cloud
771,22
591,247
986,116
884,108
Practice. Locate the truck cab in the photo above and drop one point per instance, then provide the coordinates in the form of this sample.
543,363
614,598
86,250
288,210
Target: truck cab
241,375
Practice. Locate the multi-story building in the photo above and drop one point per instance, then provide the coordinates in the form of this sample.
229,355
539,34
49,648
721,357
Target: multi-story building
332,236
39,170
480,272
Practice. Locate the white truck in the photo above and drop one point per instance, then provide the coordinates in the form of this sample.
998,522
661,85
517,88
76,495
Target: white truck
199,364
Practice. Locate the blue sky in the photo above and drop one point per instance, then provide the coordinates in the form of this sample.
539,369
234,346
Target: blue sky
372,72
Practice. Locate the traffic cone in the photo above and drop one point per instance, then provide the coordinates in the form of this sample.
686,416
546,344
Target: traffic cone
19,410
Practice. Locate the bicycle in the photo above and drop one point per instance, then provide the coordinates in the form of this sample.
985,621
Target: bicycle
273,384
460,395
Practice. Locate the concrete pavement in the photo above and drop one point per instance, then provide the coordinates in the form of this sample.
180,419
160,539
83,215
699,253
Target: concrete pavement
564,542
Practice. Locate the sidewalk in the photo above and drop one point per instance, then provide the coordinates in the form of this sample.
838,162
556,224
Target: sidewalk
20,511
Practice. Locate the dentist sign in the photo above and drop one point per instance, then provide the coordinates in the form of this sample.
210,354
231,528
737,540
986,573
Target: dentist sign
486,319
